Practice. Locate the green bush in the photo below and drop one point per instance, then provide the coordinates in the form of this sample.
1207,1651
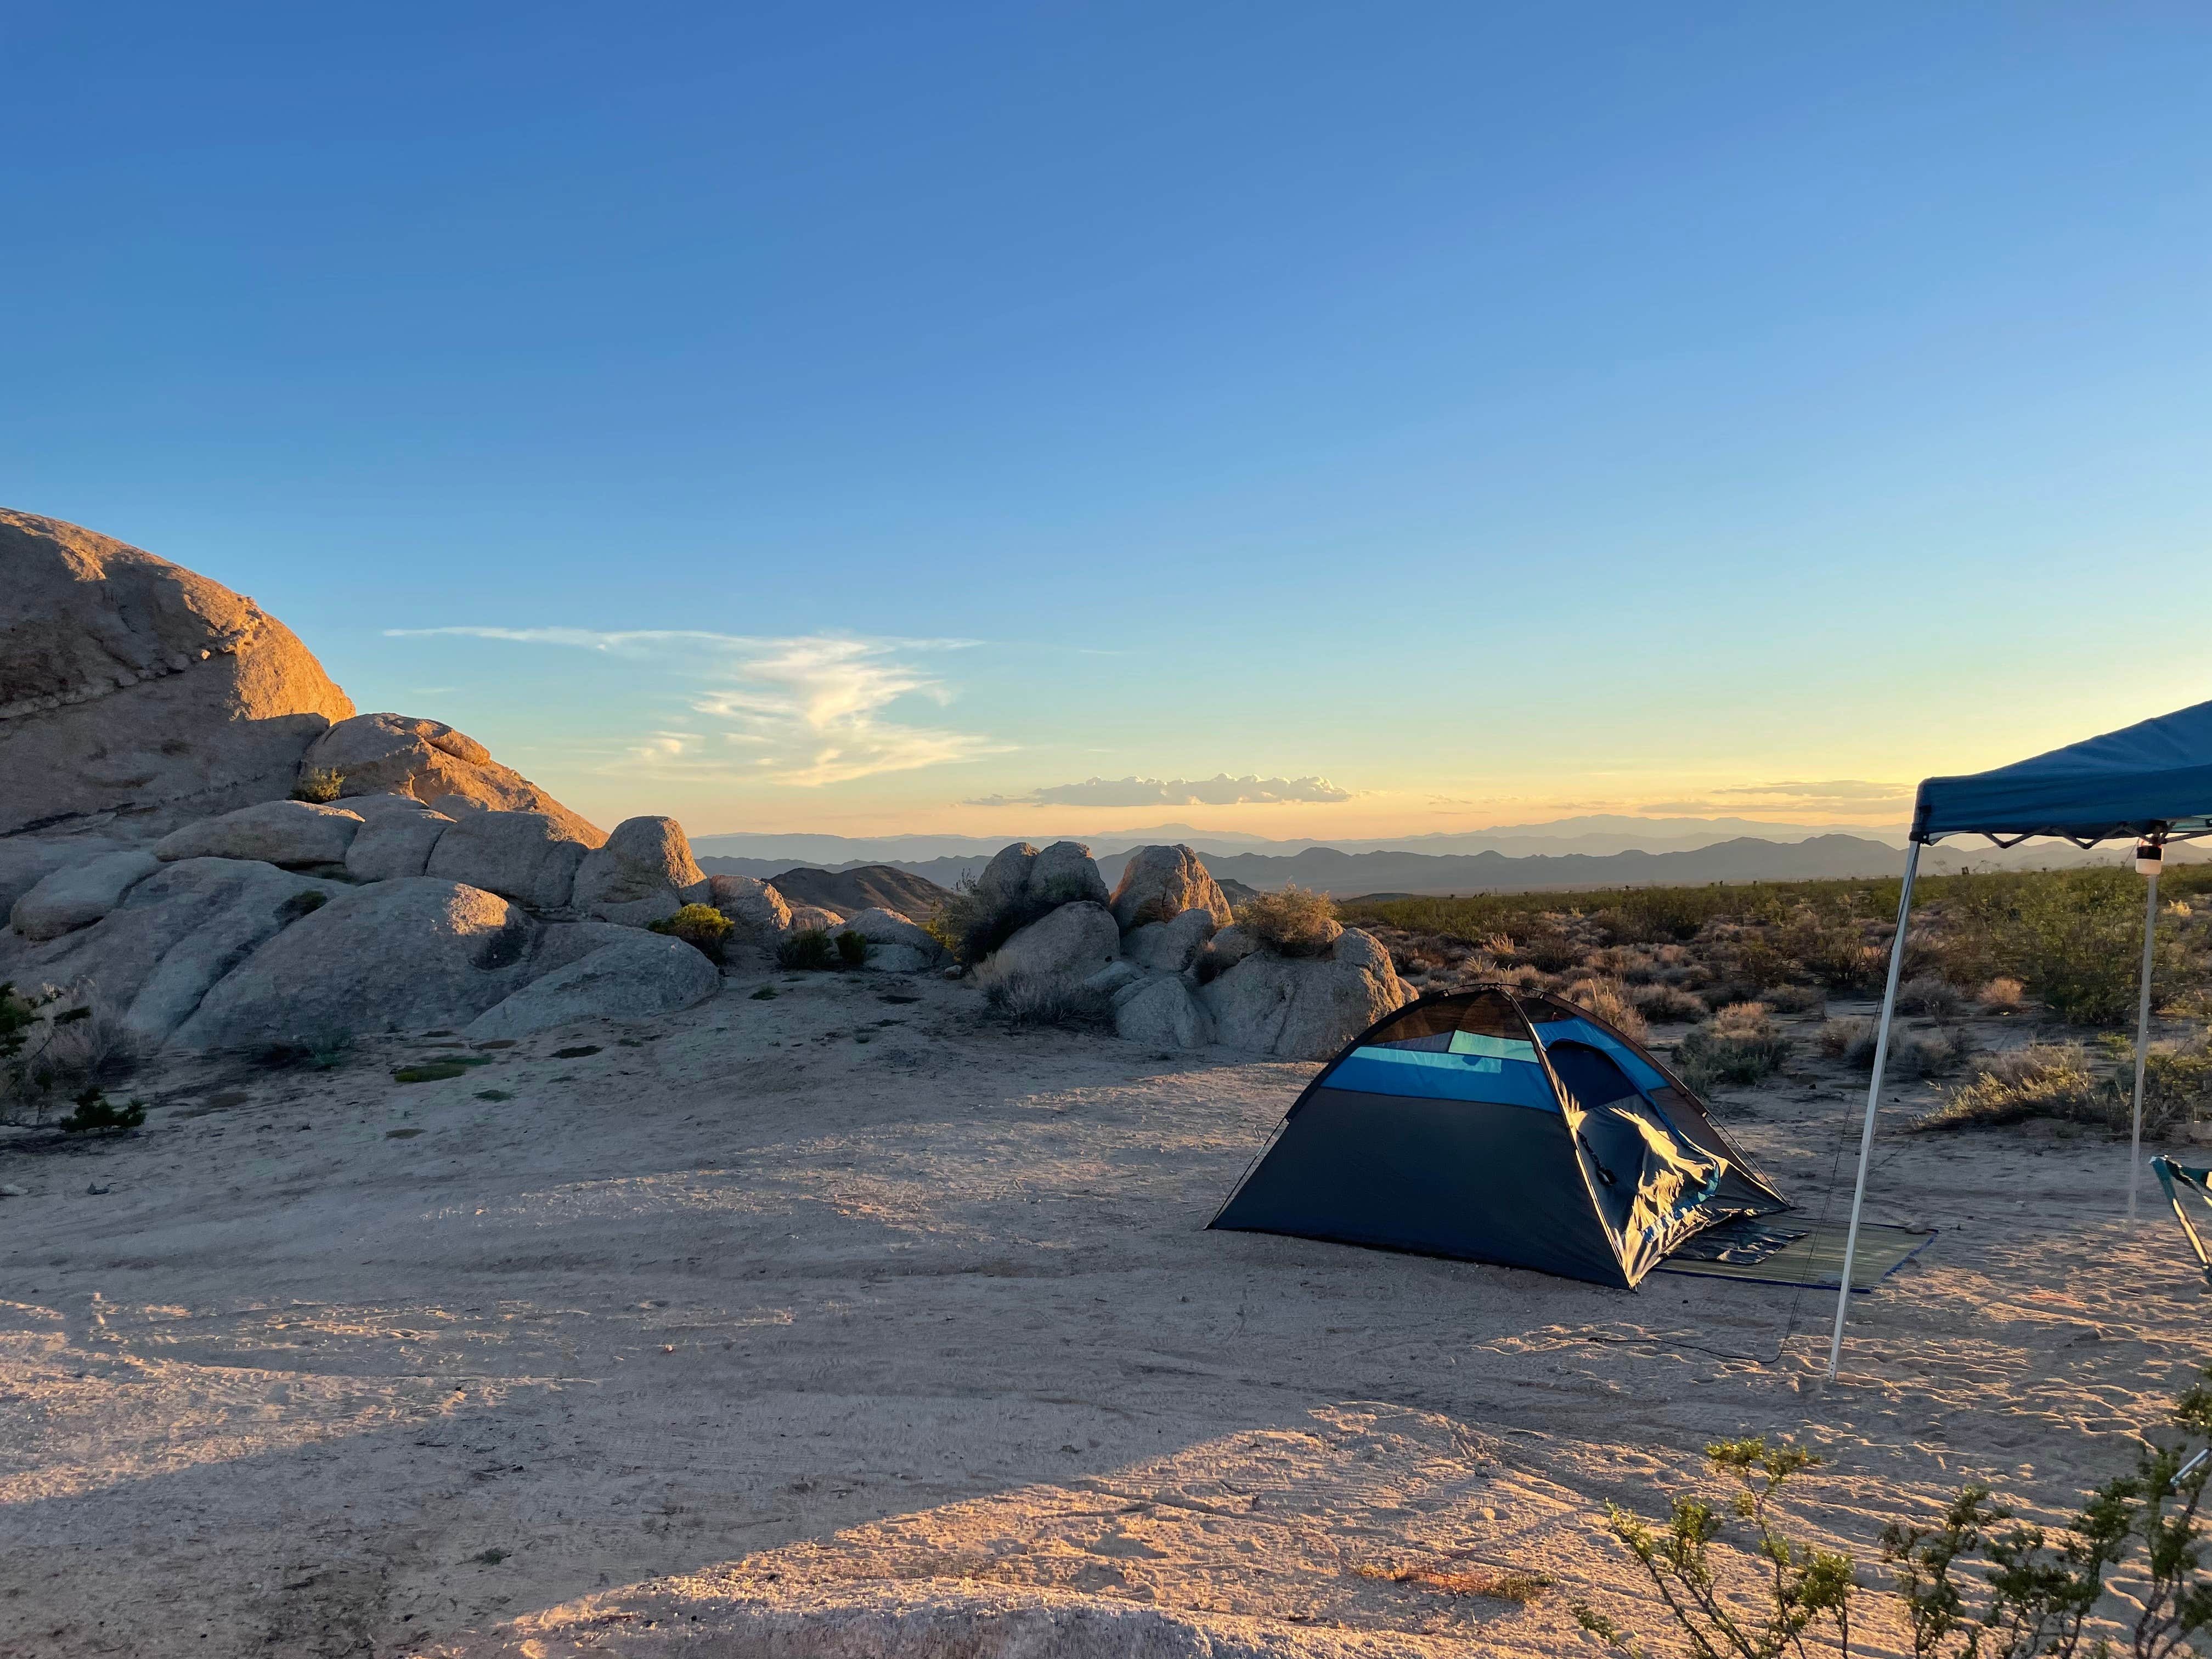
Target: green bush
852,950
811,950
94,1114
701,926
1974,1583
318,784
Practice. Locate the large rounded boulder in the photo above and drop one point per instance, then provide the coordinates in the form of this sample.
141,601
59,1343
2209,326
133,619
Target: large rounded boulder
641,873
1159,884
398,955
1304,1007
131,685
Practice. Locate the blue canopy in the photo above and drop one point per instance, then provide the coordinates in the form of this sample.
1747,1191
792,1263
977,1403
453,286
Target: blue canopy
2153,776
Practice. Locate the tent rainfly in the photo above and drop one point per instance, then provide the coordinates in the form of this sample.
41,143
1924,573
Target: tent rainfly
1496,1126
2152,781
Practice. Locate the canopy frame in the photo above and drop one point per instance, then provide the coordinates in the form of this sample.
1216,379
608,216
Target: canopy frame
2155,835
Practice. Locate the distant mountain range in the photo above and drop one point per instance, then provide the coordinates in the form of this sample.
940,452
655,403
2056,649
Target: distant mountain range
1596,834
1348,874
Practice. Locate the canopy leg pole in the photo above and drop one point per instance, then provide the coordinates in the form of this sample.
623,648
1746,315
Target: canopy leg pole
2143,1042
1873,1101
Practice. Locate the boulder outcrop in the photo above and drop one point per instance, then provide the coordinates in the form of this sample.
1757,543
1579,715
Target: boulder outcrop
760,912
292,832
1306,1007
528,857
401,755
130,685
1161,1012
402,955
1159,884
895,945
1169,947
643,872
78,895
604,971
1070,942
393,841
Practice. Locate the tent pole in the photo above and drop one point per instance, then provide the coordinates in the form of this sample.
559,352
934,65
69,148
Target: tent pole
1873,1101
2143,1042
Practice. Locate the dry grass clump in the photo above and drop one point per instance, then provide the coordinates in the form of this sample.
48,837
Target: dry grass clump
1612,1002
1048,999
2046,1079
1667,1004
1740,1045
1291,921
1508,1585
1912,1054
2003,995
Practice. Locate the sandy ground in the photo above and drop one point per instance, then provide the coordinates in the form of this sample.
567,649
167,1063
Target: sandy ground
853,1300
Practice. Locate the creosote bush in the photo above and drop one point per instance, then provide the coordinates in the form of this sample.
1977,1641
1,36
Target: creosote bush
318,785
1740,1045
1291,921
1912,1054
1667,1004
701,926
1973,1583
852,948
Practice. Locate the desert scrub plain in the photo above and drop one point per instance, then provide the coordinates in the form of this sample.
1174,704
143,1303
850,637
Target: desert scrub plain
858,1318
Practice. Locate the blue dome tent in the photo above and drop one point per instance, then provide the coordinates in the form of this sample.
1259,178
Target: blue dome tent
2152,781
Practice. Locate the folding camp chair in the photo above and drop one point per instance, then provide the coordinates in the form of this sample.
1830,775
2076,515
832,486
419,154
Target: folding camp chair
2177,1179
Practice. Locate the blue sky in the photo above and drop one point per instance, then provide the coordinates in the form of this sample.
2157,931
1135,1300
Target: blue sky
824,418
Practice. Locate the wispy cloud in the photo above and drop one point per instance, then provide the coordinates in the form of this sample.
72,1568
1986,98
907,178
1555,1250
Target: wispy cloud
804,712
1220,790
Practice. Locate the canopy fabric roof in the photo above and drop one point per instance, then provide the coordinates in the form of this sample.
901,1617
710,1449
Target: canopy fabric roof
2155,775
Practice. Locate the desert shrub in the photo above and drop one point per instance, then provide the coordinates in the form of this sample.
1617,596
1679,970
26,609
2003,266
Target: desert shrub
1930,994
1839,954
810,950
1975,1584
2177,1082
2042,1080
1610,1001
1796,999
1759,964
1451,1579
318,784
852,948
964,924
1912,1054
1293,921
1628,963
1667,1004
94,1113
701,926
2073,937
1849,1038
2002,995
1550,951
1740,1045
1049,1000
55,1041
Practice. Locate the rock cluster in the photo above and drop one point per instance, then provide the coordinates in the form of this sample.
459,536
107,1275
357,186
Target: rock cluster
1160,955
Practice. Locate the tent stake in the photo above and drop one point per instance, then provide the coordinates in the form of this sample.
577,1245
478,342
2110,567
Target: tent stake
1874,1101
2142,1042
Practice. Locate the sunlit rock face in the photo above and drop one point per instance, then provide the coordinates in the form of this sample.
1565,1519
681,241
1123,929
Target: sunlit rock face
131,686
